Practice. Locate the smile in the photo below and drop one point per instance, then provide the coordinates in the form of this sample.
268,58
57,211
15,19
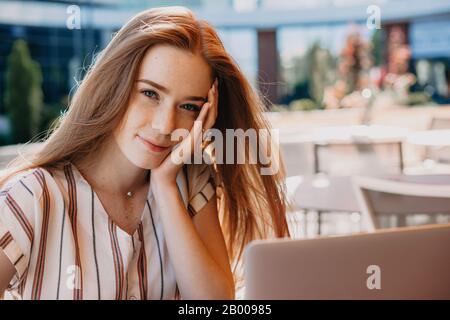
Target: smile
151,146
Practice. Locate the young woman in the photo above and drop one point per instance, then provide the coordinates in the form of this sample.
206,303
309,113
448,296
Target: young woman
102,211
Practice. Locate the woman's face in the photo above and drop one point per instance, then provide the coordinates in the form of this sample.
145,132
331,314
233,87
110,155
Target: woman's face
171,88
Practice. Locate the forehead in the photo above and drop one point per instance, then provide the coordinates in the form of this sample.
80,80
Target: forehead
177,69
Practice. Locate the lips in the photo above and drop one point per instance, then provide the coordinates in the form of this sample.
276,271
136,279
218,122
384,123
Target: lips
152,146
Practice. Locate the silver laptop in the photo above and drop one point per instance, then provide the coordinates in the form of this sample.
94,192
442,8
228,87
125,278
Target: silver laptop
405,263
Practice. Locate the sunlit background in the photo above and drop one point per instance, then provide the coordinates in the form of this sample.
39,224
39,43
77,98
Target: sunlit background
333,72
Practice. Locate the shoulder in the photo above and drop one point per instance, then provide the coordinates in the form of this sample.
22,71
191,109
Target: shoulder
21,209
25,201
29,183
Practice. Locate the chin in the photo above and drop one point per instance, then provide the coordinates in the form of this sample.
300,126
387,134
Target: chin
147,162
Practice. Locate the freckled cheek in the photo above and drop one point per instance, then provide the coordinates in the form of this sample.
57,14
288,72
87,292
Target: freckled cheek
140,117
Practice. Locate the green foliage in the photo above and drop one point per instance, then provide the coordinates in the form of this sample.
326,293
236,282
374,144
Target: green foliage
418,99
310,74
303,105
320,62
49,115
23,95
377,47
296,105
5,139
278,108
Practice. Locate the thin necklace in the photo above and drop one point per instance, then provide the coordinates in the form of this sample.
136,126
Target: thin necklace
130,194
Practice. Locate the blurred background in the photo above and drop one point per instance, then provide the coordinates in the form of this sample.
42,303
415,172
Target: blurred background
354,86
301,54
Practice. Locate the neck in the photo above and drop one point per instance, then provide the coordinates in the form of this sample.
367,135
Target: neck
109,170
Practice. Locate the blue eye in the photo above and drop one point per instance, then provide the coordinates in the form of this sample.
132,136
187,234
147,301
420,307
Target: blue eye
154,95
191,107
150,93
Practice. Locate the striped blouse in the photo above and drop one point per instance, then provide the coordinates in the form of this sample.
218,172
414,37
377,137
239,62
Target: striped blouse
63,244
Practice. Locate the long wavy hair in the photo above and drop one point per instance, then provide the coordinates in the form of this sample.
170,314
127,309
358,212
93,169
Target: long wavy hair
251,205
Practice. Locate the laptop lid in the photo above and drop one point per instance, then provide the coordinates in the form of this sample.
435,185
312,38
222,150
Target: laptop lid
404,263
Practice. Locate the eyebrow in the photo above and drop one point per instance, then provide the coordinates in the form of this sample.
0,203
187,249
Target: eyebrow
164,89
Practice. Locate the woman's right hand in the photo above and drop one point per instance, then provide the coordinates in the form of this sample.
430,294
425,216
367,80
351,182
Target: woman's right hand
168,170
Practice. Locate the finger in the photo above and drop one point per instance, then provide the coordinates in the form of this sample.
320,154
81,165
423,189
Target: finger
212,99
216,99
211,95
195,135
211,118
212,114
204,112
188,142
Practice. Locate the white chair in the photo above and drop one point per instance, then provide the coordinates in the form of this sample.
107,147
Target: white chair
438,154
399,199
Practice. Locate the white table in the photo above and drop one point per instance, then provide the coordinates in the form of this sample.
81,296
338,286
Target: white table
345,134
430,138
359,134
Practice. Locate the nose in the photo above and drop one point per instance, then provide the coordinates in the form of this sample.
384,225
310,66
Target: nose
164,120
